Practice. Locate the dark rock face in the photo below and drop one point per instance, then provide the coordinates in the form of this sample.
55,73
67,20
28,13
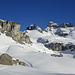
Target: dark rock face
1,22
56,46
60,46
52,24
12,29
48,29
61,33
41,40
67,25
57,55
34,27
5,59
72,47
60,55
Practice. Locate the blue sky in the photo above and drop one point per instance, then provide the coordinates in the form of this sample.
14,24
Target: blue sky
38,12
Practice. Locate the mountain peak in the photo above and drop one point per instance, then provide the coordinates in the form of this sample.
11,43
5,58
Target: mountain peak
34,27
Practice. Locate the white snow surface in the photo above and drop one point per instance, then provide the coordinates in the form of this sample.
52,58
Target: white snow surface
37,57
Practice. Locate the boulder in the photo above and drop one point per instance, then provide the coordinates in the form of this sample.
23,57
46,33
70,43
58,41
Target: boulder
6,59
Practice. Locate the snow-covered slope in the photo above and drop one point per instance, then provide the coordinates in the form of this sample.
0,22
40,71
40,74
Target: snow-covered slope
38,58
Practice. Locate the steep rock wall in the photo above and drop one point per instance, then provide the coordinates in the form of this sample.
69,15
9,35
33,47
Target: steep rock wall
12,29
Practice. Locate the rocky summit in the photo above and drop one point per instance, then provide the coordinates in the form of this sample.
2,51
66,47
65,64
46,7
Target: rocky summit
12,29
34,27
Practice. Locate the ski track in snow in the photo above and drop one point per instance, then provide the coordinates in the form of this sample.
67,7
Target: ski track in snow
28,64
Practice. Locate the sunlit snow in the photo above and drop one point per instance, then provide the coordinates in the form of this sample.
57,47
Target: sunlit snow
37,57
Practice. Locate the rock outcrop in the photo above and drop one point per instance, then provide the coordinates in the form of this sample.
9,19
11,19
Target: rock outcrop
60,55
67,25
18,62
6,59
34,27
12,29
52,24
60,46
42,40
57,46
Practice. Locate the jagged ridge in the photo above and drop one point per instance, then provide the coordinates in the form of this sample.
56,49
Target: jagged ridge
12,29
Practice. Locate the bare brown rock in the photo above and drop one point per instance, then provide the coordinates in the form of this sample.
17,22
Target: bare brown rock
12,29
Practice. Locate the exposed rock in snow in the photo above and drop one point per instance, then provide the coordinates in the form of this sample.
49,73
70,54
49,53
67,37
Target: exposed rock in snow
48,29
41,40
12,29
56,46
67,25
34,27
52,24
6,59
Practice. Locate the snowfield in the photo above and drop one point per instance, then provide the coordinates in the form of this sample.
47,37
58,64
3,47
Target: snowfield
37,57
